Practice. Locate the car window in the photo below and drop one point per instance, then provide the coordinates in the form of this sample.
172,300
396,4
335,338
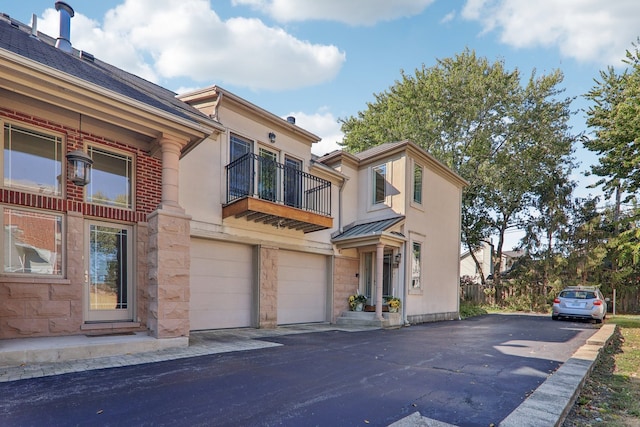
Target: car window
578,294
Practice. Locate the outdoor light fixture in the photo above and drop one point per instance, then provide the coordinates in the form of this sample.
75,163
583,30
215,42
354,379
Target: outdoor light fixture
272,137
79,167
396,260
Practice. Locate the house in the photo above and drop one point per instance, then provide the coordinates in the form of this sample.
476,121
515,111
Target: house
128,209
484,256
111,254
400,222
280,236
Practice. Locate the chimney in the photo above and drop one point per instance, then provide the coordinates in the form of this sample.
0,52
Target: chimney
34,25
66,13
291,120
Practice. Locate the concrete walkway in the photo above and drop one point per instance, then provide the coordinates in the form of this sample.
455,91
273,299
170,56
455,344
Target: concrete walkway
27,358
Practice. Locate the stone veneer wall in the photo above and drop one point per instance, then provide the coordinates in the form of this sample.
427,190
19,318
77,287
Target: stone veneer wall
48,306
435,317
345,283
268,287
169,263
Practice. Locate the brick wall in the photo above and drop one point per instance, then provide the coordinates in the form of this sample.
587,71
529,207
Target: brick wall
45,306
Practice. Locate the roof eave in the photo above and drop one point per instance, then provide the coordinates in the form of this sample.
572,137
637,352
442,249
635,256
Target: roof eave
33,79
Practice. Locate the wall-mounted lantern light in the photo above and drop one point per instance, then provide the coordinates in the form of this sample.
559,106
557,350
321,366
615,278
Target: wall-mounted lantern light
272,137
396,260
79,167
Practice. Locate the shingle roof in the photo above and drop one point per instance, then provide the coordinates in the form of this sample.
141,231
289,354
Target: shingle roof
369,228
15,37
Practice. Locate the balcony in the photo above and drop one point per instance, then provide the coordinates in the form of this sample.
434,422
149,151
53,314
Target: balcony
262,190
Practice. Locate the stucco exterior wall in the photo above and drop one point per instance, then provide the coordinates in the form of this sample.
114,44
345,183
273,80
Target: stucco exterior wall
439,235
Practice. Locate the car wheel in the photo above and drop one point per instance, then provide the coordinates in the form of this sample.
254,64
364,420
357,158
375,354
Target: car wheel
598,321
555,317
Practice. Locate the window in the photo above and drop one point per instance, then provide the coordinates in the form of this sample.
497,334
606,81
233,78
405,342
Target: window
32,242
111,179
416,256
379,184
32,161
417,184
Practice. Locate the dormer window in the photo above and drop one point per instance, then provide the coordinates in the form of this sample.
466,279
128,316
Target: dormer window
379,184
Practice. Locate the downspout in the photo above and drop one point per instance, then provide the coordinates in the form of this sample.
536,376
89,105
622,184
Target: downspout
340,204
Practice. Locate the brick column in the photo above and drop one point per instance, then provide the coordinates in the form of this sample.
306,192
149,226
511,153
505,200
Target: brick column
169,263
168,256
268,287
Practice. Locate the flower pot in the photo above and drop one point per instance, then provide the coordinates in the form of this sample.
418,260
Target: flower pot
393,309
359,306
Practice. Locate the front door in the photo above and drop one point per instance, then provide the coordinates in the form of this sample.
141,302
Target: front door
369,276
108,272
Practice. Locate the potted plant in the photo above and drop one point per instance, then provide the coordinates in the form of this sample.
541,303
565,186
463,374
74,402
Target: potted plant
393,303
356,302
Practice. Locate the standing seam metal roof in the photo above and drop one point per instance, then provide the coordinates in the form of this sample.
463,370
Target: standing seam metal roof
369,228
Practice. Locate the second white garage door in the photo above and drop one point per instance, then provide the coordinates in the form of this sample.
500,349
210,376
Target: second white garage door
221,285
302,287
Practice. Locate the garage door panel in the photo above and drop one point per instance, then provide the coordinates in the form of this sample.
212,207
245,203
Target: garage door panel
221,285
302,287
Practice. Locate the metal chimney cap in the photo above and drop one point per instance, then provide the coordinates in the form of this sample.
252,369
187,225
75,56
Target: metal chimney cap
65,6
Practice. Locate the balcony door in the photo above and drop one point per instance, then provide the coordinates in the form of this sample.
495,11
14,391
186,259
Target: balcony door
240,179
292,182
268,176
108,272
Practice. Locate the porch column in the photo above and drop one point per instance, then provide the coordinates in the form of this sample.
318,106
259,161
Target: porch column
379,279
170,171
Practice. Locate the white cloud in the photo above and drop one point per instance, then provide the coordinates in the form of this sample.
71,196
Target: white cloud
587,30
323,124
185,38
352,12
448,17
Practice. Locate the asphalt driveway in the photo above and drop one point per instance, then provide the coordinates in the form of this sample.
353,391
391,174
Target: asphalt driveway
467,373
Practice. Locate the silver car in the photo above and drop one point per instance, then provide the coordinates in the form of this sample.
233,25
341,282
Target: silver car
580,302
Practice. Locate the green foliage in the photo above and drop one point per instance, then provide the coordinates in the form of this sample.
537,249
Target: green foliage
504,134
468,309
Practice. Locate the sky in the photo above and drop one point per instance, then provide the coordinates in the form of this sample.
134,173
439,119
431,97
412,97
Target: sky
323,60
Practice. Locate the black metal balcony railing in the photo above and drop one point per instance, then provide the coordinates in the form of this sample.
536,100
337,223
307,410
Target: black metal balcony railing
256,176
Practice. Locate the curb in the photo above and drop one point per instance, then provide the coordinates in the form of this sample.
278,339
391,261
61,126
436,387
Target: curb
552,401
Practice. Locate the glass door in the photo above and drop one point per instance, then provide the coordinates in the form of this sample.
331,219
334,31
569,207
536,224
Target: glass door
268,177
369,276
108,284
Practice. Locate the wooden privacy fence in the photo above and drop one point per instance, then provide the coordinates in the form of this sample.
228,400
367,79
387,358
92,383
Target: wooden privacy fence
627,300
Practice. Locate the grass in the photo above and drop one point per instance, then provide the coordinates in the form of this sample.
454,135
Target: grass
611,395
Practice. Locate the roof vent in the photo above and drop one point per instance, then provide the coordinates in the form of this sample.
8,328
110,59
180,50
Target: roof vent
87,56
291,120
66,13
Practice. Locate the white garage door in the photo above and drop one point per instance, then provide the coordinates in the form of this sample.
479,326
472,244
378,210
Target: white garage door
221,285
302,287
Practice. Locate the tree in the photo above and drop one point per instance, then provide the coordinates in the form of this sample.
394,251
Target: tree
477,118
